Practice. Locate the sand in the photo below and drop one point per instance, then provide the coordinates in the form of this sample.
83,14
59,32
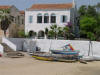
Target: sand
31,66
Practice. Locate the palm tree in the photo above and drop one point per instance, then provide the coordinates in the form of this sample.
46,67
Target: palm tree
5,24
60,32
5,19
54,28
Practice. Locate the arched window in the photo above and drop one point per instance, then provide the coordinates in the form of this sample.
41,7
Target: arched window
46,18
64,18
53,18
39,18
32,33
41,34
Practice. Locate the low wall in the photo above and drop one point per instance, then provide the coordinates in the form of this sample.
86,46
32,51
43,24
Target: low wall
47,44
18,42
1,49
9,43
82,46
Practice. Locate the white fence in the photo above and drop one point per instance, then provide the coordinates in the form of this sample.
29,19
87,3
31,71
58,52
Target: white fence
9,43
1,49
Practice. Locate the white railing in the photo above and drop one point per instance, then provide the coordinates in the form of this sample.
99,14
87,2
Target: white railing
9,43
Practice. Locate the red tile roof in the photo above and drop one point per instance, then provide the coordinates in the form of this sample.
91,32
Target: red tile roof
5,6
22,12
51,6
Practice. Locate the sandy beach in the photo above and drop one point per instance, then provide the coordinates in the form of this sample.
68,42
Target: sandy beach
31,66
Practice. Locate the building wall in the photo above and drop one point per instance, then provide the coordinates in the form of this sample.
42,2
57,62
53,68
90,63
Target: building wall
41,26
16,23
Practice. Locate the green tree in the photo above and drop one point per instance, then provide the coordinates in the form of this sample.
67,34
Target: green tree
60,32
54,29
51,34
5,19
91,11
87,24
98,5
46,32
97,32
82,10
5,24
91,36
66,32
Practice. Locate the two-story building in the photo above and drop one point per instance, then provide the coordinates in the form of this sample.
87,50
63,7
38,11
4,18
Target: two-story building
41,16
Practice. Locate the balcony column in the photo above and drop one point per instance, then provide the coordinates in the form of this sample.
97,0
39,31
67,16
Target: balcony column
42,18
49,18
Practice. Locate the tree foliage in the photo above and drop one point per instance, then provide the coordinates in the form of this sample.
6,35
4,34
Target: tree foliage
5,19
59,32
5,24
89,22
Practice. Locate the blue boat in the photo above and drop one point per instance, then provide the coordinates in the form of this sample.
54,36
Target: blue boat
65,52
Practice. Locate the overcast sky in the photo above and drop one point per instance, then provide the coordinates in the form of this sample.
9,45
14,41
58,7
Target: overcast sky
23,4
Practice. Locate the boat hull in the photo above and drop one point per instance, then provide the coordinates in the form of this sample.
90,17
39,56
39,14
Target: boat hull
43,58
64,52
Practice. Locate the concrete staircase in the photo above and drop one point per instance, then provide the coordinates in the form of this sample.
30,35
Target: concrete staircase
10,52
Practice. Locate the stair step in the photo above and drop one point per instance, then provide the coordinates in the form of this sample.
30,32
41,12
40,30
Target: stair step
10,52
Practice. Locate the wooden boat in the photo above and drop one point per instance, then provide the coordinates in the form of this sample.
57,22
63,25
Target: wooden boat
53,59
43,58
64,52
65,60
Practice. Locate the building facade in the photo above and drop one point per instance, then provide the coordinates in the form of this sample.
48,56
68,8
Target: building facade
17,22
41,16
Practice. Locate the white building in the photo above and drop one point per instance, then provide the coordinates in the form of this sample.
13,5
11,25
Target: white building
41,16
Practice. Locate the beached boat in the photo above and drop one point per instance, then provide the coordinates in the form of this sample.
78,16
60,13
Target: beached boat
64,52
54,57
65,60
45,58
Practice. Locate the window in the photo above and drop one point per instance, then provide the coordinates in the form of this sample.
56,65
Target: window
46,18
18,19
64,19
39,18
30,19
22,21
53,18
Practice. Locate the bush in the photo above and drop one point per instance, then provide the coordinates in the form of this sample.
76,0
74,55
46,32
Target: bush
91,36
21,34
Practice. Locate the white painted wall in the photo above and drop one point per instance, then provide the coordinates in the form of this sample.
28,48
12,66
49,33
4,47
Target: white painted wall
82,46
9,43
45,44
1,49
37,27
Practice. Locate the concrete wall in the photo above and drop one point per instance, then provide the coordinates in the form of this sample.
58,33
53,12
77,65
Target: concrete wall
1,49
18,42
41,26
46,45
9,43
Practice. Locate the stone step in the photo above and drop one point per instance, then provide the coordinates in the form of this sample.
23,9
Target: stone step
10,52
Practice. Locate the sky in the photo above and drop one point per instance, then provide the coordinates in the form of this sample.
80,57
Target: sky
23,4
